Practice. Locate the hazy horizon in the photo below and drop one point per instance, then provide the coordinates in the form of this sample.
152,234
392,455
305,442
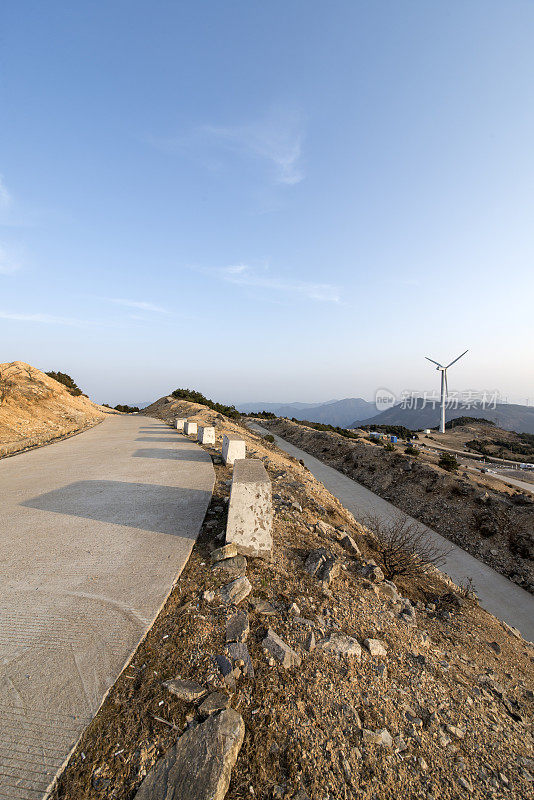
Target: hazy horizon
268,200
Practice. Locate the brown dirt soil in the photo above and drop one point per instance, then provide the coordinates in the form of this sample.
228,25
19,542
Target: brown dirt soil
495,524
36,410
457,666
498,442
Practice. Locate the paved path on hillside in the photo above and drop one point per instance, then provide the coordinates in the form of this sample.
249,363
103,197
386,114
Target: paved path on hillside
496,593
94,530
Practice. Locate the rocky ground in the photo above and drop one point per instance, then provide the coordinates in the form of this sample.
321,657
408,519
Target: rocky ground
348,686
36,410
495,525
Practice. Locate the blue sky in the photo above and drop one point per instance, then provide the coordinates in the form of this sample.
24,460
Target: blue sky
276,201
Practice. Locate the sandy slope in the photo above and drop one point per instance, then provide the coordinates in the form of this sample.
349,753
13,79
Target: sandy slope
35,409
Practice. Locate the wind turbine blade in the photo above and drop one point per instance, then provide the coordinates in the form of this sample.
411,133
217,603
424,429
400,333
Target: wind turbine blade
456,359
434,362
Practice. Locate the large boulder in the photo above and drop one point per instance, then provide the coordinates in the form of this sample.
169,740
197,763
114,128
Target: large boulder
199,765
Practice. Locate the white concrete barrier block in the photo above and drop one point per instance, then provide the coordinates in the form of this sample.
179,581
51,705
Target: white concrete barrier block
190,428
233,447
179,423
206,434
250,510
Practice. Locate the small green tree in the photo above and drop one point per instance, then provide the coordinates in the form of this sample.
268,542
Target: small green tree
68,382
448,461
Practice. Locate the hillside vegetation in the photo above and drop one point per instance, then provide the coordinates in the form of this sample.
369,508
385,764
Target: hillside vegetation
36,409
495,525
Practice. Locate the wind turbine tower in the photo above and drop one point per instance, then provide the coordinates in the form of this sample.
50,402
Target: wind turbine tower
444,386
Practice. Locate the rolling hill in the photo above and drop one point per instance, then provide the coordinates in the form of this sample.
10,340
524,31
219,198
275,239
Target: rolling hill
509,416
335,412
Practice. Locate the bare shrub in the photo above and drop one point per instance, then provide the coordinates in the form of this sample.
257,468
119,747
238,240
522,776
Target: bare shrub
6,385
405,547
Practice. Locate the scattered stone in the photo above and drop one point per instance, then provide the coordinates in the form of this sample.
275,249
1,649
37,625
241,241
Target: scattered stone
238,653
388,589
208,596
381,737
294,609
236,565
226,669
216,701
325,528
316,560
407,614
458,733
443,739
330,570
374,574
382,671
375,647
323,565
342,645
237,627
199,765
309,644
236,591
262,606
495,647
280,650
185,690
226,551
465,784
350,545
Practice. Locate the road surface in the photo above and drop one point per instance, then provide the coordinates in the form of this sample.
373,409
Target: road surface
94,530
526,487
496,593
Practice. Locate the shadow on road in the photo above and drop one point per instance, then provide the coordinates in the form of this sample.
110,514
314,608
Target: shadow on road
157,439
150,507
172,455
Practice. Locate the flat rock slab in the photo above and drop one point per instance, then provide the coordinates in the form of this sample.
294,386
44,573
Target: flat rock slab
238,653
262,606
376,647
237,627
185,690
236,591
216,701
221,553
199,765
280,650
341,645
94,531
233,567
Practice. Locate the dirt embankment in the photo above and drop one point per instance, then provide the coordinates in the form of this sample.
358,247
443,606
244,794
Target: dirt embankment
441,710
36,410
496,527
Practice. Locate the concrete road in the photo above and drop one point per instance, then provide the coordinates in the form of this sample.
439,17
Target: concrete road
94,530
496,593
523,485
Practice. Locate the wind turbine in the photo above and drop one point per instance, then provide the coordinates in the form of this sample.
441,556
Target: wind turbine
444,385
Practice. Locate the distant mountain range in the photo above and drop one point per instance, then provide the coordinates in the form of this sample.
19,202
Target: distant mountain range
508,416
354,411
341,413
